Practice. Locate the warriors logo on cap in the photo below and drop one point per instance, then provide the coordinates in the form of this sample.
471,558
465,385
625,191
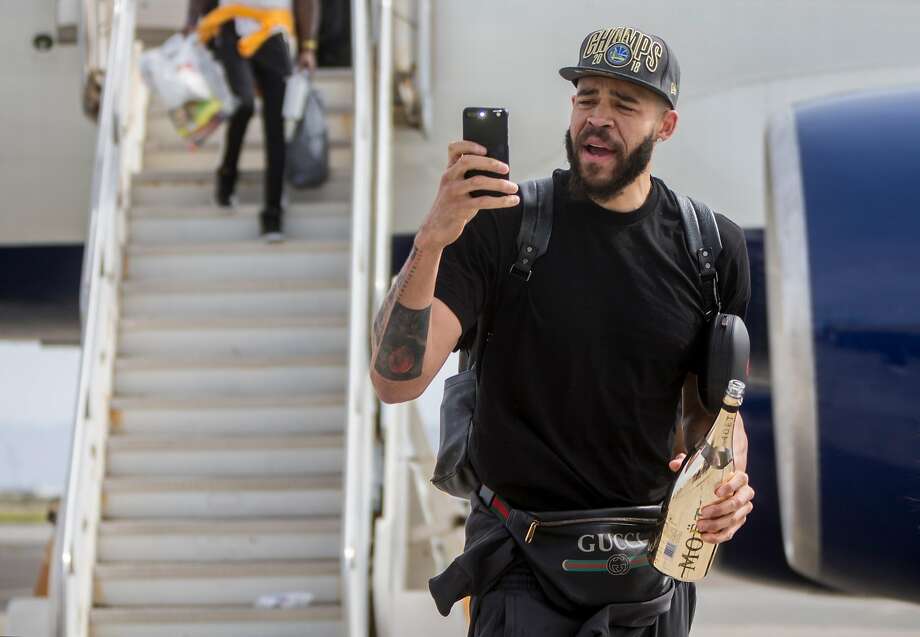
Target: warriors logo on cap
618,55
630,54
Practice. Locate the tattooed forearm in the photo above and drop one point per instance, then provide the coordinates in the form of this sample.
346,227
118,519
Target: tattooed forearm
402,349
393,296
400,334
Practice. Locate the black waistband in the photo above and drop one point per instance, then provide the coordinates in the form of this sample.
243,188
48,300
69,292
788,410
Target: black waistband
503,508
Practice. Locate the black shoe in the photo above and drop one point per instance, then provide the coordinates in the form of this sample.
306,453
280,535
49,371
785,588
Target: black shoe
270,220
225,184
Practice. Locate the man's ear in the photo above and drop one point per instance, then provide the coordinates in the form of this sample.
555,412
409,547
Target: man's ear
667,125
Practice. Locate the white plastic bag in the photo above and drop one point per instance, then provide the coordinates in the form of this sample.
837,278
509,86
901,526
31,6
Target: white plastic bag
213,73
171,71
295,95
190,83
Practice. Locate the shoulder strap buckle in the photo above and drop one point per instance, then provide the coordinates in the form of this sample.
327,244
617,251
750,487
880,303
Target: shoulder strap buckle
519,272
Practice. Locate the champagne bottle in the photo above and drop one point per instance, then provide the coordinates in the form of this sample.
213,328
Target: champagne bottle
678,550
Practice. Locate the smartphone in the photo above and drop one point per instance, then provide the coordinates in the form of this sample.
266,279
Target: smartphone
488,127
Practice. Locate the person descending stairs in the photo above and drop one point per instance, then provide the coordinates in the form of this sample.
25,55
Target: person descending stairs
252,39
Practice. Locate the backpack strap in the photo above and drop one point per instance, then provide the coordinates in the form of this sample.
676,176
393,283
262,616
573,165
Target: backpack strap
536,225
705,245
532,242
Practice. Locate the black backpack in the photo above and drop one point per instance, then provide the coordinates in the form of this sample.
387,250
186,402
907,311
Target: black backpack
725,354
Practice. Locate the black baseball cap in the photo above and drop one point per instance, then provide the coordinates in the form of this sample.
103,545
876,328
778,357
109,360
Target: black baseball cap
629,54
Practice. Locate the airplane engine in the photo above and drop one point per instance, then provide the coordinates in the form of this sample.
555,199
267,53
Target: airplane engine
843,303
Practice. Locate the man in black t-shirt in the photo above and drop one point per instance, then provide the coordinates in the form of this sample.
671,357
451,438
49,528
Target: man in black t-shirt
584,367
583,375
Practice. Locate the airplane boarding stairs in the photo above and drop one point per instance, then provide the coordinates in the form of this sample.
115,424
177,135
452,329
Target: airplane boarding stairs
225,455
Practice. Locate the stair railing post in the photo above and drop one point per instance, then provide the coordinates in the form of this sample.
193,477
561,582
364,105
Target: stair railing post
361,405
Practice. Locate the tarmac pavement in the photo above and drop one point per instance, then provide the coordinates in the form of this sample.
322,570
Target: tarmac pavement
22,547
729,605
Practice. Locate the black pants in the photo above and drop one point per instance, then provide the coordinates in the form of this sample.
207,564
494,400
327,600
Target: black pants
268,69
516,607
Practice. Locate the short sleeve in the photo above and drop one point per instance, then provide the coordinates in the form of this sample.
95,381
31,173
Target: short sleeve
467,271
734,269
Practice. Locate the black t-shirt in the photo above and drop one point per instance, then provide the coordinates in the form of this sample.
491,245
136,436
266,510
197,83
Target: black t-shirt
581,379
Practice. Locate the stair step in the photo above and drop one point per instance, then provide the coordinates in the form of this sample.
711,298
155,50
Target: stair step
319,620
233,337
339,123
302,260
184,192
196,455
203,177
162,135
220,540
252,158
227,225
228,415
340,136
200,497
203,583
169,325
175,377
238,248
238,298
209,210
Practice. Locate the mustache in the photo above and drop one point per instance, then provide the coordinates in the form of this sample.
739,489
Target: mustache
581,186
602,134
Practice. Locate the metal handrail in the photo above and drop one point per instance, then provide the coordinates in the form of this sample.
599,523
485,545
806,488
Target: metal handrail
75,542
414,515
412,61
88,35
383,219
423,59
359,436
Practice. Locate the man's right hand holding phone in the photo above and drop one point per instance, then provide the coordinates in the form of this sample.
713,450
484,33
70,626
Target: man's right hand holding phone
414,332
453,206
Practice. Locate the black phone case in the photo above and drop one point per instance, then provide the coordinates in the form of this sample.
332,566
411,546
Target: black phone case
487,126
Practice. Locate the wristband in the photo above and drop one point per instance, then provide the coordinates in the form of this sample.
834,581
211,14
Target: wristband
308,45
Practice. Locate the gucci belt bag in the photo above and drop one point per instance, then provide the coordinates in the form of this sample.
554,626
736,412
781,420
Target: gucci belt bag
589,558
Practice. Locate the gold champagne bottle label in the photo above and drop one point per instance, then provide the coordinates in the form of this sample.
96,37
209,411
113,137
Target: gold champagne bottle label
679,550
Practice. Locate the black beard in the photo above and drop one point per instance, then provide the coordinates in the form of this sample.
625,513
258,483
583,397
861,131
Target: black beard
629,169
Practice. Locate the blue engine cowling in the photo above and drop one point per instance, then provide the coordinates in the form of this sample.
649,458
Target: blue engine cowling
843,279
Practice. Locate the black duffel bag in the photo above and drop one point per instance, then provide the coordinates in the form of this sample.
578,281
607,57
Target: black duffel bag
453,472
